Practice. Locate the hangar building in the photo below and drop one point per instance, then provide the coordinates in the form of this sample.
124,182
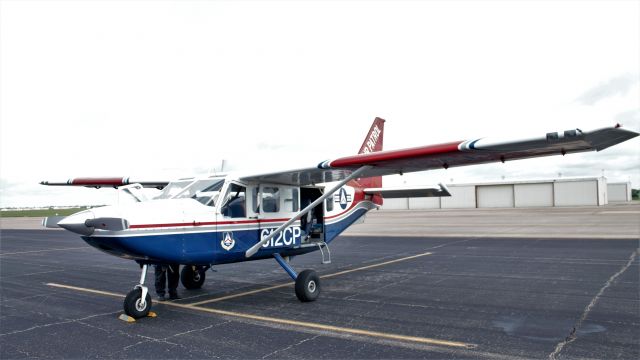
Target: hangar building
588,191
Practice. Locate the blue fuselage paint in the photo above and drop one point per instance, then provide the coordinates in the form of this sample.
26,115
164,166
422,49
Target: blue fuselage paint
208,247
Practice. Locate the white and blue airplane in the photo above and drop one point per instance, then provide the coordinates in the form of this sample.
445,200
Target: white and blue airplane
202,222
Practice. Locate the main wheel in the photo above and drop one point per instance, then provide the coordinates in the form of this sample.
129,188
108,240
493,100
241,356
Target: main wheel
307,286
134,306
192,278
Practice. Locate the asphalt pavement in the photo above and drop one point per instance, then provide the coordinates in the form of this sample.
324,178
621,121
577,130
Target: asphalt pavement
382,297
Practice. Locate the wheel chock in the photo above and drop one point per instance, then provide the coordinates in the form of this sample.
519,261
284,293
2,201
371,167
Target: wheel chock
129,319
126,318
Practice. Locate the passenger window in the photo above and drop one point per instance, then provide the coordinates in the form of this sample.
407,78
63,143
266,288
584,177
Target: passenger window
270,199
290,199
329,202
235,206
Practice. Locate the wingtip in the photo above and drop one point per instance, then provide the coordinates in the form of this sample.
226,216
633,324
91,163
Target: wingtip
621,127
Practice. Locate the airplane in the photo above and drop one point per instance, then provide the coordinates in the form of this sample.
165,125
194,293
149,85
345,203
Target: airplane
220,219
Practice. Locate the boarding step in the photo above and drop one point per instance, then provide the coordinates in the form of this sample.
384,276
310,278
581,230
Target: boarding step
326,260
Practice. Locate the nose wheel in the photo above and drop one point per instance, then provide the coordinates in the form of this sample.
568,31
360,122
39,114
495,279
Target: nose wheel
137,306
137,303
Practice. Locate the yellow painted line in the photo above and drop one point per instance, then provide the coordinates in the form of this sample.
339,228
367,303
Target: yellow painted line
62,286
331,328
232,296
39,251
302,324
375,265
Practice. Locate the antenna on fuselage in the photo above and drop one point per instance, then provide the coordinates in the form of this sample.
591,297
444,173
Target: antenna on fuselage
215,173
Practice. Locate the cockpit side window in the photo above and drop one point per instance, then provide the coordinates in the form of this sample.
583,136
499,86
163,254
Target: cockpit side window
236,202
270,199
290,196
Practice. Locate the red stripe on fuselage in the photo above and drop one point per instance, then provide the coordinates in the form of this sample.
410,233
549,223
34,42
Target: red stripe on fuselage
382,156
358,197
206,223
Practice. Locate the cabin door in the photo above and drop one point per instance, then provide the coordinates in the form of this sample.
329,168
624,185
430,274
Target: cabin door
278,204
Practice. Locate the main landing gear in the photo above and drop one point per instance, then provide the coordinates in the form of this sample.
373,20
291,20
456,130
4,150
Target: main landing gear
307,282
138,301
192,277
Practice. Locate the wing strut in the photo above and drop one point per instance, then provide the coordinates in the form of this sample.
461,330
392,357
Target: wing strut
254,249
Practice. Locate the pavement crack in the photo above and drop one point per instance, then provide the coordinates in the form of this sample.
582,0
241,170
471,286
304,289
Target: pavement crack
573,333
57,323
197,330
147,339
291,346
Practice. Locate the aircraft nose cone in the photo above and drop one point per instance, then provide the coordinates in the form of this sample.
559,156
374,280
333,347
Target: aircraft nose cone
76,223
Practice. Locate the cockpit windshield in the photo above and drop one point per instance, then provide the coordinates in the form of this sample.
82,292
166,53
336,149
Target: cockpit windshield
205,191
174,188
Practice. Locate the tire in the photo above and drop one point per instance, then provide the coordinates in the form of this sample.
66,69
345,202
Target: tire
192,279
307,286
133,306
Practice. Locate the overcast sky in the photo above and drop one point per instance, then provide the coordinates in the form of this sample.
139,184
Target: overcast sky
157,89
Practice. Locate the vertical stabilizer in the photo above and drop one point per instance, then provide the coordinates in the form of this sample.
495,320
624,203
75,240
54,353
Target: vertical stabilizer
372,143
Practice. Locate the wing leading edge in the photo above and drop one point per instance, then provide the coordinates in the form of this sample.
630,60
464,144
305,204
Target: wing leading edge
458,153
114,182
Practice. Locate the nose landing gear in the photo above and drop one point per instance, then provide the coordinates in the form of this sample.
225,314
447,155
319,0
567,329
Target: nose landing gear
138,301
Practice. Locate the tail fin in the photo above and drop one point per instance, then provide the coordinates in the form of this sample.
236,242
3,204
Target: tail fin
373,143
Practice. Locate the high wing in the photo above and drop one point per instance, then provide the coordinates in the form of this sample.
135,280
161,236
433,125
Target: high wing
458,153
114,182
396,192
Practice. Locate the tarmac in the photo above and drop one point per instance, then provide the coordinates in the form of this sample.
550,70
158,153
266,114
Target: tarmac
501,283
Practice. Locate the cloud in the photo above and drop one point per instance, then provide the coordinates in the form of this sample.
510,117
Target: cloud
619,85
629,119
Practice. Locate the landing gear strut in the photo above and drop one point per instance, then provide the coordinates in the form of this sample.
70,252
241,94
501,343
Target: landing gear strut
307,282
138,301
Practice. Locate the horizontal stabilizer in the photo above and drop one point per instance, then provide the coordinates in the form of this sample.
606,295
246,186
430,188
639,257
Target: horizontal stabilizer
52,221
410,191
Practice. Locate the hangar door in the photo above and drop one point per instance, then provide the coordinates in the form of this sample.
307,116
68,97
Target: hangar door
529,195
494,196
576,193
618,192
